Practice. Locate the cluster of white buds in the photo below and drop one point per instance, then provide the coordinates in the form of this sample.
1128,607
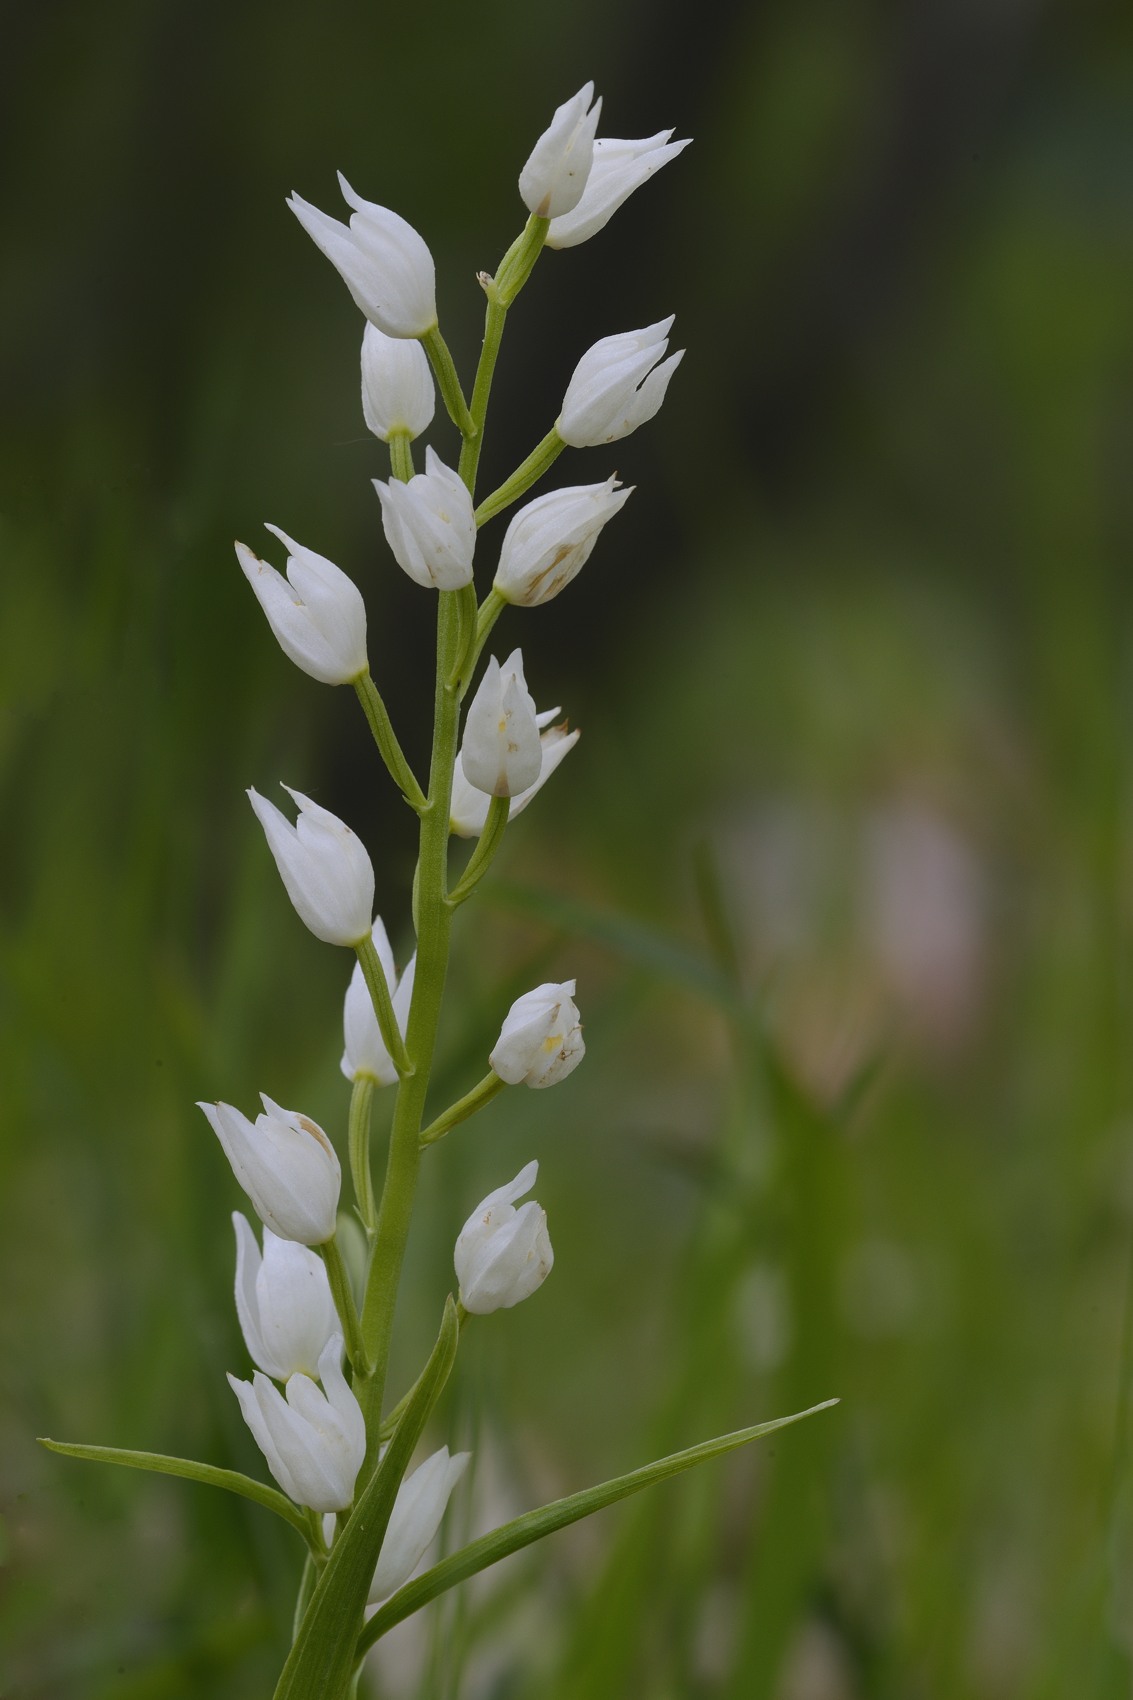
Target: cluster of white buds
319,1338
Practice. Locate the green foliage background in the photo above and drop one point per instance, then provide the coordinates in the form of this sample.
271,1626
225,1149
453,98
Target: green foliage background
842,862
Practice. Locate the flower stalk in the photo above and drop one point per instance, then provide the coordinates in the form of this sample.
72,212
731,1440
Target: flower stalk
386,739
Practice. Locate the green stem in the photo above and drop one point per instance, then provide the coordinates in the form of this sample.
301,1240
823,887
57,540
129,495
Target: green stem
386,739
525,475
466,631
481,858
448,383
383,1006
358,1145
344,1304
494,319
434,924
491,608
514,270
517,264
401,455
482,1093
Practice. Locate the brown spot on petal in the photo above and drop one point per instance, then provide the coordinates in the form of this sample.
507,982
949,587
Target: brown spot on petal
316,1132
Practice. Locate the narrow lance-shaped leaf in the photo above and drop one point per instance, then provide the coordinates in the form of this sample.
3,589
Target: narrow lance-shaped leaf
320,1665
534,1525
191,1471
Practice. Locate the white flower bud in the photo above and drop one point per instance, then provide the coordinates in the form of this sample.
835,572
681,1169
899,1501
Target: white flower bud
468,808
415,1519
397,385
618,168
314,1442
365,1051
617,386
540,1042
283,1301
503,1254
286,1165
555,175
316,612
501,752
551,539
430,524
384,263
324,866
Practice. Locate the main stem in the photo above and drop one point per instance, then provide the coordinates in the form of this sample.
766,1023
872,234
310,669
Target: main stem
434,919
433,911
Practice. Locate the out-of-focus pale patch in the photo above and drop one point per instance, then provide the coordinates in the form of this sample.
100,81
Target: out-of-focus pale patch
879,1292
817,1666
865,926
763,1323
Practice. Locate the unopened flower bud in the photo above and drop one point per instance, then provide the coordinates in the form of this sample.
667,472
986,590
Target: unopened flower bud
286,1165
550,540
384,263
397,385
314,1441
430,524
468,808
316,612
540,1042
552,181
415,1519
365,1050
618,168
283,1301
617,386
501,753
324,867
503,1254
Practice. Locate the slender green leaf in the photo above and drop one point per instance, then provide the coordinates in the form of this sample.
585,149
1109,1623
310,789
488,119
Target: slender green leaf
533,1525
231,1480
321,1663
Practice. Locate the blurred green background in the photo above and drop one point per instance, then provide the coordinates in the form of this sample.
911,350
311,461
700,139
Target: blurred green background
842,863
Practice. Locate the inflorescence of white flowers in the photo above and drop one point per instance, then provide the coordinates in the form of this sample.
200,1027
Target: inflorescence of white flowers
318,1338
315,1442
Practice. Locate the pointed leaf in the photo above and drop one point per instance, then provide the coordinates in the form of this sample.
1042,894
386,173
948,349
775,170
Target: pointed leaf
320,1665
231,1480
533,1525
